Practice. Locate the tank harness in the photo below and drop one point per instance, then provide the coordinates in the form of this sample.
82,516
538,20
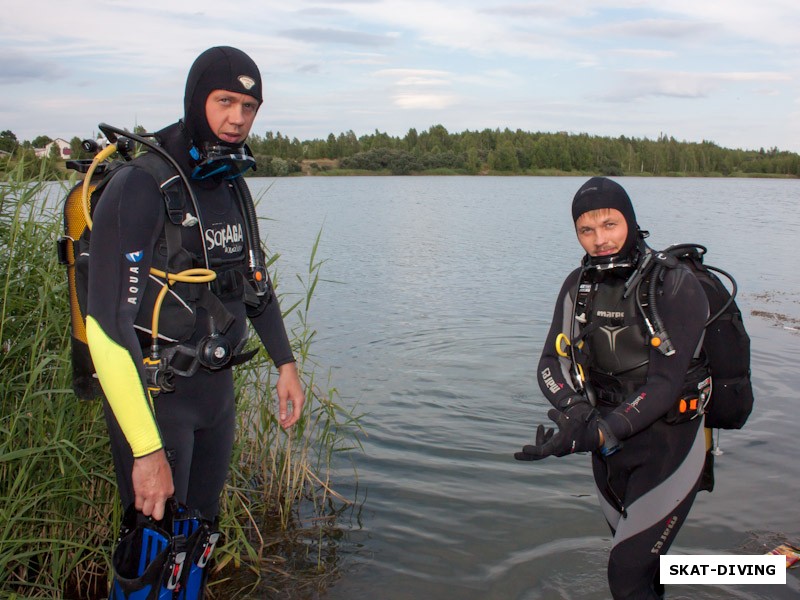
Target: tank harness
720,368
203,286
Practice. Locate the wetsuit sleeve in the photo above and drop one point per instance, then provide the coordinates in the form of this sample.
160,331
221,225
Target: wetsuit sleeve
553,372
127,223
683,307
270,328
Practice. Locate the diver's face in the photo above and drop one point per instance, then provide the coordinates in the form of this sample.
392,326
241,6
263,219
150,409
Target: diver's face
230,115
602,232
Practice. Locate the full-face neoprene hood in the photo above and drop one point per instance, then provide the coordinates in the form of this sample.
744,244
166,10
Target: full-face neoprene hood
218,68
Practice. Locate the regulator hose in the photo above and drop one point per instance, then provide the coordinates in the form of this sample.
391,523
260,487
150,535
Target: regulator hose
257,267
87,181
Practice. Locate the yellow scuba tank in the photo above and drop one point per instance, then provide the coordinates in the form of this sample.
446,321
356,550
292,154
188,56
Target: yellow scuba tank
71,250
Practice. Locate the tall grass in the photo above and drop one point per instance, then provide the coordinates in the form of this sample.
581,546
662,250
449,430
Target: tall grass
281,503
59,511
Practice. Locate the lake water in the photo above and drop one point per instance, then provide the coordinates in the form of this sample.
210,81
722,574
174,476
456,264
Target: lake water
440,293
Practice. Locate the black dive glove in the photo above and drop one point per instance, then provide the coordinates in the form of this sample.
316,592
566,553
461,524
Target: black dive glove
575,434
575,406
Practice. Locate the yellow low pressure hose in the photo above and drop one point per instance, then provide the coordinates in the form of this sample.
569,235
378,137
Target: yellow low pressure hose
87,181
188,276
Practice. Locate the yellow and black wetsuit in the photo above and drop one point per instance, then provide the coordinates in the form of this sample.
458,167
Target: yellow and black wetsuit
195,423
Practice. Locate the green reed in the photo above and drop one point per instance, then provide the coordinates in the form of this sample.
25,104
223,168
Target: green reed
59,511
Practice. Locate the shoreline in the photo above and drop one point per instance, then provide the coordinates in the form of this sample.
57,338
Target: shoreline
308,170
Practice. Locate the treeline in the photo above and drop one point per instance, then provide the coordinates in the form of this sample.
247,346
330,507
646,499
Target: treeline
476,152
507,151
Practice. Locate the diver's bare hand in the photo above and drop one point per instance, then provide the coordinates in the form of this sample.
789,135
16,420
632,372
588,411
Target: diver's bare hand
290,390
152,484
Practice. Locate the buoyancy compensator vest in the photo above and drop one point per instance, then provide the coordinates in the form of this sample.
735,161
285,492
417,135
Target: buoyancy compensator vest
181,281
617,347
617,352
622,323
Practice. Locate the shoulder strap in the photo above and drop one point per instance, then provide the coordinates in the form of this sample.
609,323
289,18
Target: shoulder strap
175,203
171,187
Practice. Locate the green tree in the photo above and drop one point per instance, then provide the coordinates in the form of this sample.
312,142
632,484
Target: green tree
473,161
8,141
438,138
331,147
504,158
348,144
411,139
40,141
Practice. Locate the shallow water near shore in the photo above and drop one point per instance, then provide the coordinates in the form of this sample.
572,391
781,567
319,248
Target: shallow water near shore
440,291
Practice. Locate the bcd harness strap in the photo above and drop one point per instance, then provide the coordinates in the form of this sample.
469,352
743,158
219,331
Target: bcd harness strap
213,352
654,263
644,282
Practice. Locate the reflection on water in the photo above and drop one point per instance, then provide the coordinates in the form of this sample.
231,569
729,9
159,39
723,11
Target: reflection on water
440,294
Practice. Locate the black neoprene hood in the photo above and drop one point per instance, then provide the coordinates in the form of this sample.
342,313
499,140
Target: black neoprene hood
218,68
600,192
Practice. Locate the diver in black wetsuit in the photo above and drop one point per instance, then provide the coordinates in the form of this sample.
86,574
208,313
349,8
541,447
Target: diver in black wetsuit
616,396
179,443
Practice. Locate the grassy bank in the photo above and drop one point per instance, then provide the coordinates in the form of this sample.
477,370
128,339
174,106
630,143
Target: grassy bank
58,505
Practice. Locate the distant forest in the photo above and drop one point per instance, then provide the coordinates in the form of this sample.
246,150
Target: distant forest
514,152
490,151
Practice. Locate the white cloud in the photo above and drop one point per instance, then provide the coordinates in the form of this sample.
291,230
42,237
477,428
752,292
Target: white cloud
424,101
773,22
668,29
636,85
644,53
415,77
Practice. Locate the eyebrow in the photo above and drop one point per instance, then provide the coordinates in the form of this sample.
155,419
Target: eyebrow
606,221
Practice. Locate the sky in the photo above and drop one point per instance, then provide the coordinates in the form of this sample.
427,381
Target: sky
725,71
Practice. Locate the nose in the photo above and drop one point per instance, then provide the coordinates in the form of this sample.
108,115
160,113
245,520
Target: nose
236,114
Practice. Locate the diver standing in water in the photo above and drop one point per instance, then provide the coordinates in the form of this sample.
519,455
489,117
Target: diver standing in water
177,441
622,394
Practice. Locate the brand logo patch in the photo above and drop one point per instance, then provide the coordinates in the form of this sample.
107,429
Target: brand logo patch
133,284
549,382
611,314
135,257
247,82
670,525
635,404
230,238
611,334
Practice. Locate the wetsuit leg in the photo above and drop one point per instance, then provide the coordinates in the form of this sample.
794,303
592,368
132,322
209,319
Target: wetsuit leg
646,491
197,423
